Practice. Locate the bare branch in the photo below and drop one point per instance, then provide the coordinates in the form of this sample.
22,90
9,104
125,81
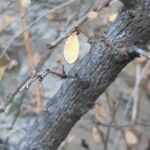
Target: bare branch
32,75
98,68
32,24
141,52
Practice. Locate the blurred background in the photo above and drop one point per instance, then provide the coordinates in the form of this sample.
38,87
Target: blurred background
120,118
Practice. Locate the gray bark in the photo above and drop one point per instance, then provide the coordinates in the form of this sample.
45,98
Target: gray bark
96,71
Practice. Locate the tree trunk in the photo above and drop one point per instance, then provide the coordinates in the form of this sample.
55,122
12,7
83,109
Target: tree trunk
93,74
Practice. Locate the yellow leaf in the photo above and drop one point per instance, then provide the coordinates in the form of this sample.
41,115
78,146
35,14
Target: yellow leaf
71,48
113,16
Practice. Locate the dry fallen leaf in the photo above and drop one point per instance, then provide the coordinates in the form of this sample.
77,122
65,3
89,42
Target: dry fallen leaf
96,135
132,135
13,64
92,15
99,113
67,141
71,48
6,21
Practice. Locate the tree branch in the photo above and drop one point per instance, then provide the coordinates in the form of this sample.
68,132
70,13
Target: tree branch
129,3
97,70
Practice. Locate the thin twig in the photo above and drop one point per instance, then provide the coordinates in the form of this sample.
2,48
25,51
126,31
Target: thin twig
33,23
130,101
68,31
10,99
16,116
44,58
29,49
40,76
48,53
140,51
136,95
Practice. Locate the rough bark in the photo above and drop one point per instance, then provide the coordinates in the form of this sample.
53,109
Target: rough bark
96,71
129,3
